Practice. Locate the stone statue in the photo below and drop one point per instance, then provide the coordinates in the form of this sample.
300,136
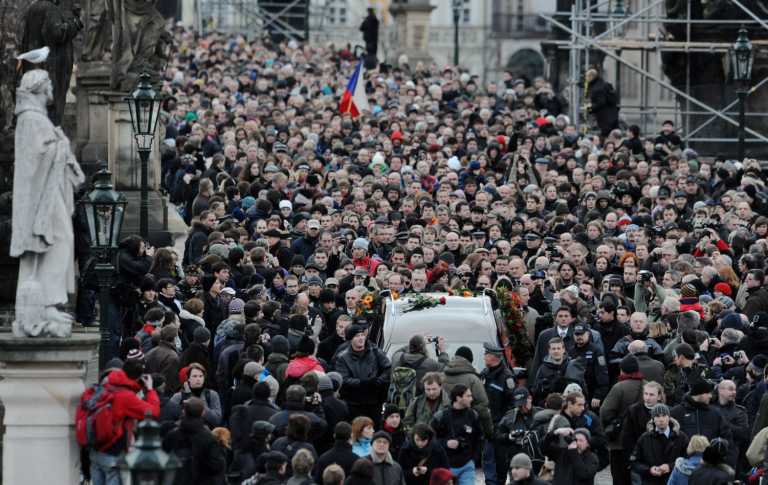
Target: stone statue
98,39
45,177
47,24
139,41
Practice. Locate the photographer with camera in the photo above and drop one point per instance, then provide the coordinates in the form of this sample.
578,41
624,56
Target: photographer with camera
458,430
648,295
514,433
575,462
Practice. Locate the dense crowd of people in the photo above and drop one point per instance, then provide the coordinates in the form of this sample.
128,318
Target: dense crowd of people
638,266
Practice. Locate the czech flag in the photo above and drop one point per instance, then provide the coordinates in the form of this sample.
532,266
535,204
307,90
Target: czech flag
354,100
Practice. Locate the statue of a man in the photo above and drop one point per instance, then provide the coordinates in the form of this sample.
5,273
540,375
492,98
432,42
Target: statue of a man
45,177
139,41
47,24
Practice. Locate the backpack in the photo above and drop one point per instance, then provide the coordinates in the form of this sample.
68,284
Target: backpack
95,426
402,388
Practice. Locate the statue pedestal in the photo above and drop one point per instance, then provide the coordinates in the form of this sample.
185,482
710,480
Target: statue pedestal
41,380
411,33
92,114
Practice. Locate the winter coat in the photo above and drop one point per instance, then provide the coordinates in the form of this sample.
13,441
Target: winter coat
678,381
188,323
532,480
341,454
420,412
736,417
194,248
365,375
757,301
552,377
684,467
652,369
128,407
302,365
603,105
462,425
203,461
571,467
420,363
212,414
362,447
634,425
592,358
280,420
289,447
460,371
431,456
707,474
655,449
386,471
699,418
613,409
196,353
164,359
243,416
276,365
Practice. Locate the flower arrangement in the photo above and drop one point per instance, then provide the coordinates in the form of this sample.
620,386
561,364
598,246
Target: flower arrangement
518,341
422,302
367,305
463,292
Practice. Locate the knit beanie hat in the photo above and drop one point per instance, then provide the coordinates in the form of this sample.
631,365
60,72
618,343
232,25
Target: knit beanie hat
521,460
689,291
629,364
724,288
306,346
382,434
201,335
465,352
660,409
389,410
298,322
584,431
441,476
280,345
700,387
236,306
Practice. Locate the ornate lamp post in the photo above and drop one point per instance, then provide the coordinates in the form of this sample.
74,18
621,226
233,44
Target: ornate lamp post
742,58
146,463
144,105
104,210
456,17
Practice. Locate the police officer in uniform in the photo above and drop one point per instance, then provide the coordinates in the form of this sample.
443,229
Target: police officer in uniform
499,384
592,359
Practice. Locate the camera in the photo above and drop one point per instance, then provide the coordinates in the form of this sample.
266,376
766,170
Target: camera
645,276
516,436
432,340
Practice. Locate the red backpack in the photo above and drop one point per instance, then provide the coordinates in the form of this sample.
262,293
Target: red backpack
95,426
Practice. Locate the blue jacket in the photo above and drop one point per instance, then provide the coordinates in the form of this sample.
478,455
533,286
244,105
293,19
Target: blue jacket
683,469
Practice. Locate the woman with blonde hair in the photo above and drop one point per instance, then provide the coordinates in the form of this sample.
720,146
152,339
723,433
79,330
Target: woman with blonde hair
684,467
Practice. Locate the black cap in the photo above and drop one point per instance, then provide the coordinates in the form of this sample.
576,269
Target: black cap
532,236
580,329
680,193
491,348
520,396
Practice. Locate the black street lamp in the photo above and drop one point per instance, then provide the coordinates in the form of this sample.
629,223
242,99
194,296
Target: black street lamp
144,105
146,463
104,211
742,58
456,17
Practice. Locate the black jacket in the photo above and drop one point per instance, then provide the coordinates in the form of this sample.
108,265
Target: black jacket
571,467
604,104
248,461
196,242
431,456
634,425
757,301
196,353
530,481
335,410
202,458
280,420
698,418
365,375
243,417
341,454
462,425
499,385
707,474
655,449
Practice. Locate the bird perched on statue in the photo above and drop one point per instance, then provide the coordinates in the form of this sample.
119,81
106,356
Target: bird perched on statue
35,56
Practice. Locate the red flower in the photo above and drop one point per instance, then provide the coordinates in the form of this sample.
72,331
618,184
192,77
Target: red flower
442,300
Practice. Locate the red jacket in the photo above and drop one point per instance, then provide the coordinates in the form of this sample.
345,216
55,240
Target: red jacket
128,407
301,365
367,263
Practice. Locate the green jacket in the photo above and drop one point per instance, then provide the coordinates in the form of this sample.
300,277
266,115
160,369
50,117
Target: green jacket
419,412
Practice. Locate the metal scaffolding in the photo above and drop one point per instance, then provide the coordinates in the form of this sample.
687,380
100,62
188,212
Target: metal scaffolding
291,19
604,28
